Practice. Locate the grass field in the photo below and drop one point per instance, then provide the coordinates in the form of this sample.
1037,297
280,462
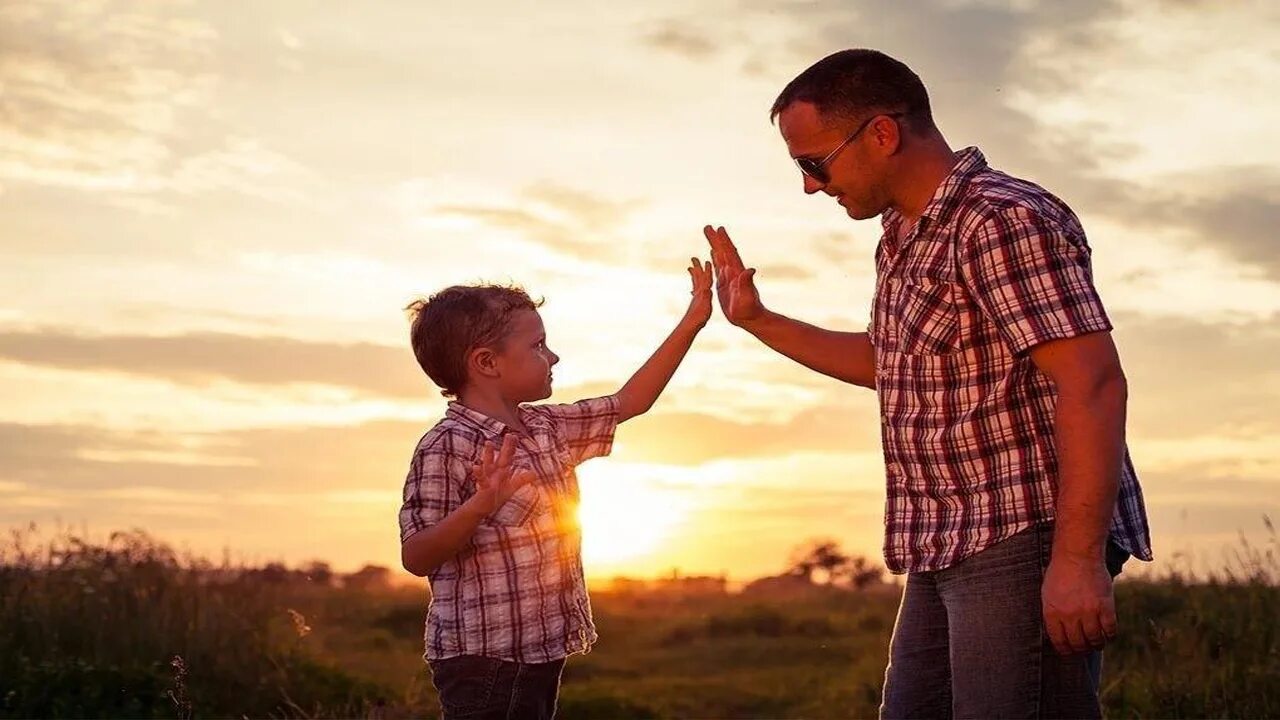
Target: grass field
126,628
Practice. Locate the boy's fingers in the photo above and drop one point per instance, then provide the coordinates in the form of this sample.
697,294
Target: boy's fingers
508,449
522,477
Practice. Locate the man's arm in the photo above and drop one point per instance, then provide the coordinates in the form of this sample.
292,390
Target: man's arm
1079,606
846,356
644,387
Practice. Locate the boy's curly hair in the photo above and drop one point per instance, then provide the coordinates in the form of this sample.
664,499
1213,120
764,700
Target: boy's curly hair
456,320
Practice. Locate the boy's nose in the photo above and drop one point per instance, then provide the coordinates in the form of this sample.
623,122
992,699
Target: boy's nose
554,358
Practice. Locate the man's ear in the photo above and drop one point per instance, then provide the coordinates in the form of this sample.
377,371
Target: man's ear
888,134
483,361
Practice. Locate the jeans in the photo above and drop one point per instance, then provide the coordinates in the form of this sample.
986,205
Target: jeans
472,687
970,641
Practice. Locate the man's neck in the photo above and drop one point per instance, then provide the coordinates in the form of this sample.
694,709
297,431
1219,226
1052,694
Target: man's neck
491,404
931,163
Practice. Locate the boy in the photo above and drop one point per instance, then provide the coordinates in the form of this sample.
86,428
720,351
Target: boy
491,496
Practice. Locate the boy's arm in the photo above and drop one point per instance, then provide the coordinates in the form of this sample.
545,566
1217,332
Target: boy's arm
644,387
496,480
846,356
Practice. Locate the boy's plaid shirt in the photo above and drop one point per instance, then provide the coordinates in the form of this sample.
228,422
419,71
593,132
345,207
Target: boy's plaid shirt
995,266
516,591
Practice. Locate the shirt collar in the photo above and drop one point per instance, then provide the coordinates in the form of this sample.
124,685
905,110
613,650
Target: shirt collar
492,429
946,198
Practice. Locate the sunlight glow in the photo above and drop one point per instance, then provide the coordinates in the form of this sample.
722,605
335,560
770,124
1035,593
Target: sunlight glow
624,518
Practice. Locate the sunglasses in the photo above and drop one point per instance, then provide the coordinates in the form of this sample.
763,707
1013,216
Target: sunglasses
817,169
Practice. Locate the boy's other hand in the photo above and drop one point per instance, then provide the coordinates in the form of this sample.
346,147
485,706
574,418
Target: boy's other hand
496,479
735,283
700,305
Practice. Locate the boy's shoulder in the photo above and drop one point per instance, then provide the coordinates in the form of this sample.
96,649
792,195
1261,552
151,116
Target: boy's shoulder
449,437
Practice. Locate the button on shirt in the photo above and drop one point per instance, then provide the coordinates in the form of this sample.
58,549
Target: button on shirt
994,266
516,590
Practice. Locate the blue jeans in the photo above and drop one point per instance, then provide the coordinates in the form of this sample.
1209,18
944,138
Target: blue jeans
472,687
970,641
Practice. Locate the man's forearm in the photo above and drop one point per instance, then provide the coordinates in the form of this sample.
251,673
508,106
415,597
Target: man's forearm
844,356
644,387
428,549
1090,435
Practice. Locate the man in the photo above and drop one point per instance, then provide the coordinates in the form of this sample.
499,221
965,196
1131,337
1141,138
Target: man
1011,499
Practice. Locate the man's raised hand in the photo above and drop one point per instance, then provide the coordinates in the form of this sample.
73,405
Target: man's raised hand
735,283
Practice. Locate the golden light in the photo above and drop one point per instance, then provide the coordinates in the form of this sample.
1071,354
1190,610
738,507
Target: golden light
624,516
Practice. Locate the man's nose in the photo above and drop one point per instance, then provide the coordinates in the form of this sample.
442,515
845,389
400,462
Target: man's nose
554,358
811,185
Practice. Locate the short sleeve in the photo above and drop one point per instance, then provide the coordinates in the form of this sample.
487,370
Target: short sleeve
587,426
432,488
1031,277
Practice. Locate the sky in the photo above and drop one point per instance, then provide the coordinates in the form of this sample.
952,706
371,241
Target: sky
214,214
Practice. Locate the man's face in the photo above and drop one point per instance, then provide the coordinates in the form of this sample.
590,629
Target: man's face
855,172
525,360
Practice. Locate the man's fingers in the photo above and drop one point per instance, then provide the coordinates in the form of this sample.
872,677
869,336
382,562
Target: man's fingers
1110,627
486,458
729,249
1076,640
1057,636
1093,634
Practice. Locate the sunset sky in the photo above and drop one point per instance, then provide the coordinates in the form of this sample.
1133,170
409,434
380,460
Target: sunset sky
213,214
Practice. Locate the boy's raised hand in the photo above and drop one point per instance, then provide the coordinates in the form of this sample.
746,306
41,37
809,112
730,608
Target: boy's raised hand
735,283
700,305
496,479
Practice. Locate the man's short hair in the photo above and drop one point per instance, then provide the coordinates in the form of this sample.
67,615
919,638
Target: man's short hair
854,84
453,322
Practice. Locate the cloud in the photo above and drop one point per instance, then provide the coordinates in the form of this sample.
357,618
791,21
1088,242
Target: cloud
1188,378
120,99
200,358
679,38
558,218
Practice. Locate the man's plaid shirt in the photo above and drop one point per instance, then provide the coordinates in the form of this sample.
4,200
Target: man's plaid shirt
516,591
995,266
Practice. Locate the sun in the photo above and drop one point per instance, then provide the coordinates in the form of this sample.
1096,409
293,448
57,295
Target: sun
624,517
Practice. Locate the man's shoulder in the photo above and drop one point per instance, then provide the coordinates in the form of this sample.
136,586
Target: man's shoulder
995,195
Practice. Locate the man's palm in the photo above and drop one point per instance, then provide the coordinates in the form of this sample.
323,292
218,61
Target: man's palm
735,283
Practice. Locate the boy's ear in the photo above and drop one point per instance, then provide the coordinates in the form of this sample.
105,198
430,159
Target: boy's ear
483,362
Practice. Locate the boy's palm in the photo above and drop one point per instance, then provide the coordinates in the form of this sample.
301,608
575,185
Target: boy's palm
496,479
735,283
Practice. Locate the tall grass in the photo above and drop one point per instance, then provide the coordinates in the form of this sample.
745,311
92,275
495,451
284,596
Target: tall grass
126,628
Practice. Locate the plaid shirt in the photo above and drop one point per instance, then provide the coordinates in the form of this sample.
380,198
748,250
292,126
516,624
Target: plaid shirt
516,590
994,267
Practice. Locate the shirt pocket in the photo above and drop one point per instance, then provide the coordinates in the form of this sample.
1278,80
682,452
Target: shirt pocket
518,509
922,317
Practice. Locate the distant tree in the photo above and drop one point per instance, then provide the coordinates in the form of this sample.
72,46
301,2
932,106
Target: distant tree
862,572
273,572
369,577
819,555
318,572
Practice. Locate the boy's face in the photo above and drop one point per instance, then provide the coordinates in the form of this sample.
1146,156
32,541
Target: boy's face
525,361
